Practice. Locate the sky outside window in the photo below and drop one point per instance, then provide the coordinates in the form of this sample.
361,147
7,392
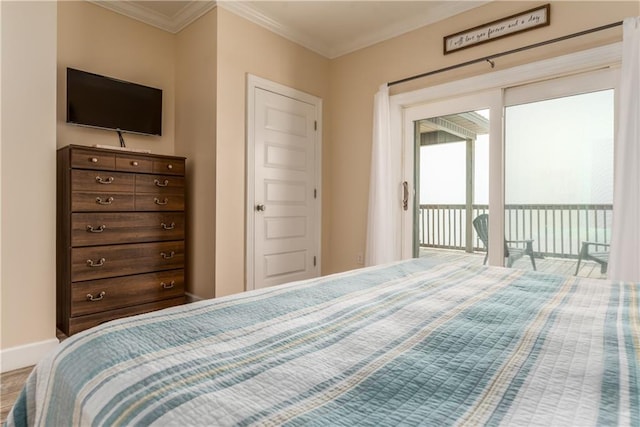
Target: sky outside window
558,151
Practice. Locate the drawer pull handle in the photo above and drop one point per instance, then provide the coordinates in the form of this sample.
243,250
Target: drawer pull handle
93,160
98,298
158,202
100,263
104,202
169,166
169,256
168,227
134,163
168,285
161,184
101,180
100,229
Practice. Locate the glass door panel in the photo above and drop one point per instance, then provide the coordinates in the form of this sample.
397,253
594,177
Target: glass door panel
451,176
559,183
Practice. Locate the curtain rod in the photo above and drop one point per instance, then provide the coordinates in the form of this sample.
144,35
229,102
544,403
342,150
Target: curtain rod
508,52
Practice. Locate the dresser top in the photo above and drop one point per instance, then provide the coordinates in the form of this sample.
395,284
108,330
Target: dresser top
117,151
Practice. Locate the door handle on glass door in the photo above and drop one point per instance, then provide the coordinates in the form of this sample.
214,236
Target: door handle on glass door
405,195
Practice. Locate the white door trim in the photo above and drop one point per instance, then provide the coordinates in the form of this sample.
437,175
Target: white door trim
401,105
253,83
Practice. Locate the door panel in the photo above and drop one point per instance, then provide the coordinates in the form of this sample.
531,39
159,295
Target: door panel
559,144
285,189
448,195
458,143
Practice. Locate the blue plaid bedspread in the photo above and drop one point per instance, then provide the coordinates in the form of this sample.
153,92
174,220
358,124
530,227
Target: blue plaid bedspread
410,343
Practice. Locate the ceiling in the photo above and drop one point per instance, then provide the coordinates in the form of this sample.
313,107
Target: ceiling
330,28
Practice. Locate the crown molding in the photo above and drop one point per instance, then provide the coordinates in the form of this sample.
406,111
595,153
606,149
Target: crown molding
194,9
244,10
188,14
436,13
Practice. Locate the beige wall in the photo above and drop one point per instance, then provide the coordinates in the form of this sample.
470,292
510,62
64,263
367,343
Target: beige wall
94,39
28,33
39,40
356,77
196,140
244,47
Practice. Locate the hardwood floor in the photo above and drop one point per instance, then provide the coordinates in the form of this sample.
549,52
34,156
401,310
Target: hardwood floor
11,384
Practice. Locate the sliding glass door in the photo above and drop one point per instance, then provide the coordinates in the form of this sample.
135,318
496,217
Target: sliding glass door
450,175
559,141
529,166
452,167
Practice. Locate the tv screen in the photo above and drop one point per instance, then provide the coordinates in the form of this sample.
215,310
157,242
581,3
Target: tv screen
108,103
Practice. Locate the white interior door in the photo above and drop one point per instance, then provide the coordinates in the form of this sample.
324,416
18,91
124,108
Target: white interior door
285,205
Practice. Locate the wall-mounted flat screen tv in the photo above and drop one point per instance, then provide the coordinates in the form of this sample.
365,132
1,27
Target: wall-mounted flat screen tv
107,103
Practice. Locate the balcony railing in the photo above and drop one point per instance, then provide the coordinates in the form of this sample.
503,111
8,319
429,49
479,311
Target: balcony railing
556,230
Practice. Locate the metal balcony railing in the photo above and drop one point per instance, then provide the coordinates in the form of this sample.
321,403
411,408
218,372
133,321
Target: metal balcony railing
556,230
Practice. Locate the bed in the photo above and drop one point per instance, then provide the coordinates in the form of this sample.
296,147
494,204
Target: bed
410,343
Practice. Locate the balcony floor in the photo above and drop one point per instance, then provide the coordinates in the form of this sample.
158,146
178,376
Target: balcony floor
560,266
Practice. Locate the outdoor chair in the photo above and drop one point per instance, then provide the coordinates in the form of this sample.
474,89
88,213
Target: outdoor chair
512,253
599,256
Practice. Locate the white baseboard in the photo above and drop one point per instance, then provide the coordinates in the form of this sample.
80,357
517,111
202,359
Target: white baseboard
30,354
25,355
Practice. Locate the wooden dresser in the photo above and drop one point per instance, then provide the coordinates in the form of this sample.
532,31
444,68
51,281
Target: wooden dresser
120,237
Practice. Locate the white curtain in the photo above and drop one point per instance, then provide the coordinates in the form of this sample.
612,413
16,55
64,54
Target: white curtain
624,262
381,225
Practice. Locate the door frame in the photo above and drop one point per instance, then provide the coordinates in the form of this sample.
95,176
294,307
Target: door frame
253,83
402,104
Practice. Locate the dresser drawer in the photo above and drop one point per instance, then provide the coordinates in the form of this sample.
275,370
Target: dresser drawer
92,159
91,229
168,166
159,202
132,163
80,323
159,184
113,182
102,202
99,262
108,294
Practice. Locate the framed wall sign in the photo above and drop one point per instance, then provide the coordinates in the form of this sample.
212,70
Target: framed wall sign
524,21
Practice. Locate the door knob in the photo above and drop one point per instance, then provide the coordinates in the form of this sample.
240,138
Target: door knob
261,208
